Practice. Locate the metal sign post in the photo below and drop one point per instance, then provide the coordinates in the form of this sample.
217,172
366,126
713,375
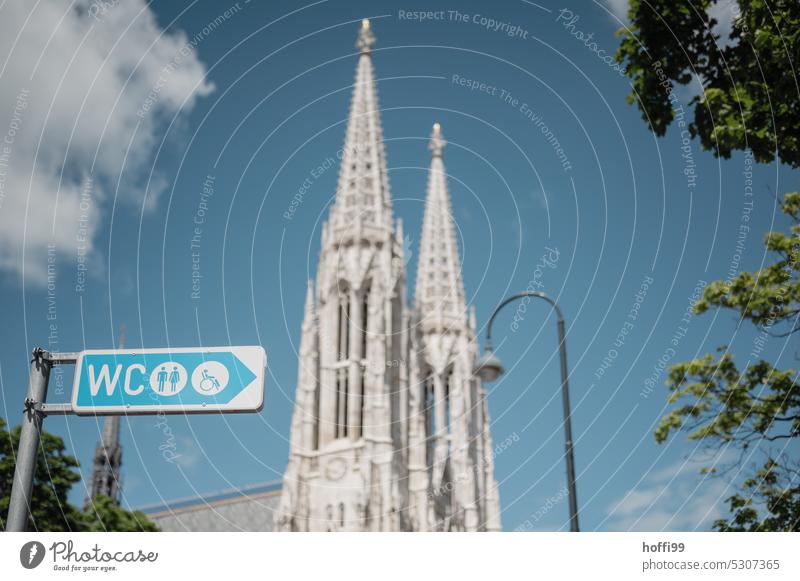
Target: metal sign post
134,381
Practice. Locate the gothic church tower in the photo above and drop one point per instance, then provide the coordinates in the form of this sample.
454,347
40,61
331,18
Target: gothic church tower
107,460
390,431
450,440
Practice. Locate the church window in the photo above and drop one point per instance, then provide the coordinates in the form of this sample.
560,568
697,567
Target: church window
341,402
448,380
315,436
329,516
359,431
429,411
344,325
364,320
342,355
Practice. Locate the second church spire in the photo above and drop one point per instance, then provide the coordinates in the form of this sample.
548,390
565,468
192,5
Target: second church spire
440,290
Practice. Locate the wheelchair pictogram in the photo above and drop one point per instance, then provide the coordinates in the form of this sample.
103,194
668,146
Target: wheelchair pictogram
210,378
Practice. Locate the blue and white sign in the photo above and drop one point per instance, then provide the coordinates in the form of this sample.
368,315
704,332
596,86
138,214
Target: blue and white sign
146,381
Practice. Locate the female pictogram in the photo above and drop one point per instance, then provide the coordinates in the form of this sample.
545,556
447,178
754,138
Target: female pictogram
168,378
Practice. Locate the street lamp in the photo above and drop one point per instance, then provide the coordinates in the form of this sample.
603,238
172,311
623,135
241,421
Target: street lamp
489,368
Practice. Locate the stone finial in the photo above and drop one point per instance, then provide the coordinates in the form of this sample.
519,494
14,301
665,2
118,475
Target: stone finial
365,38
437,141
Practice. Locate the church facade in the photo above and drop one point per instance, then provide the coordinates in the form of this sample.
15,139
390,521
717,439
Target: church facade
390,430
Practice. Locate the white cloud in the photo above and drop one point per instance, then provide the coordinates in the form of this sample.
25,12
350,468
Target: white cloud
619,8
674,498
724,12
74,92
188,454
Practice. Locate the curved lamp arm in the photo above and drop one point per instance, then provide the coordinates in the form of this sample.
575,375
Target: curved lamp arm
512,298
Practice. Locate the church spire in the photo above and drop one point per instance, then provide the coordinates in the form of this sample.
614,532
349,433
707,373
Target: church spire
304,430
362,195
108,455
309,317
440,290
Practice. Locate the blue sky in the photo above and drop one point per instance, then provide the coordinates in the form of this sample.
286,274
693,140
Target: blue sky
254,111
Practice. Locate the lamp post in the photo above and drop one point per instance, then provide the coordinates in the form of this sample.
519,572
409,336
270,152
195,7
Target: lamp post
489,368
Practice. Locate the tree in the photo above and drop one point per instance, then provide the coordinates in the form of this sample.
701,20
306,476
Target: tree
750,81
749,97
778,490
103,514
54,476
760,404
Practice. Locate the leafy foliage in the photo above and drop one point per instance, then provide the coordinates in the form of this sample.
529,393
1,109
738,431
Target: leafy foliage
759,404
54,476
778,489
103,514
750,81
769,297
749,101
727,405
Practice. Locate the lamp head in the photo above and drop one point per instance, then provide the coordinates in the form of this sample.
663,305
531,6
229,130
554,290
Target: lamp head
489,367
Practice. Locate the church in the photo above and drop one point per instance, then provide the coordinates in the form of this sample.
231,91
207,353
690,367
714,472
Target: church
390,430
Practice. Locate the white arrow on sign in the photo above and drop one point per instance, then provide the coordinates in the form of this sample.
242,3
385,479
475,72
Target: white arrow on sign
178,381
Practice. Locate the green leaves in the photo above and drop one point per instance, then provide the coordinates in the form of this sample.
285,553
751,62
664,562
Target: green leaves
103,514
721,404
55,474
774,488
53,478
729,405
770,297
750,93
749,102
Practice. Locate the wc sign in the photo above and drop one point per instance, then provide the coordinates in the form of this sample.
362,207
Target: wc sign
146,381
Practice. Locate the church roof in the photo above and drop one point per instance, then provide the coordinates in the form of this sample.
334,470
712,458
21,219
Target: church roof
211,499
